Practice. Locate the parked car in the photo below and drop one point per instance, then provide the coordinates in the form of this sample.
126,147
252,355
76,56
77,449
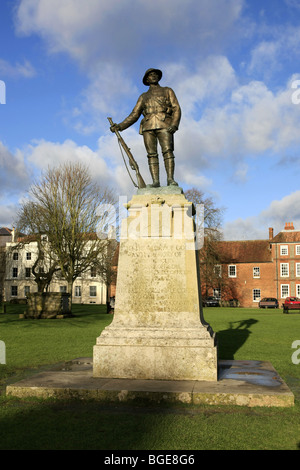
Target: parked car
291,303
268,302
211,302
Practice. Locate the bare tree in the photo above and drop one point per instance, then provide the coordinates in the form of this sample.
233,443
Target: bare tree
66,207
107,268
210,261
212,214
31,228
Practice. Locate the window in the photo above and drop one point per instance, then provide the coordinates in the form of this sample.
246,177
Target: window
15,256
14,291
285,291
284,250
27,272
26,290
77,291
63,289
298,290
256,295
15,272
298,269
93,272
232,270
93,291
256,272
284,269
298,250
28,256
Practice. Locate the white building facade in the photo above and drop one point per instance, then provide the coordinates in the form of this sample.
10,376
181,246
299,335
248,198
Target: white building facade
19,280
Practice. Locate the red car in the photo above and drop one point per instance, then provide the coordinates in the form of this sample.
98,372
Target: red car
291,303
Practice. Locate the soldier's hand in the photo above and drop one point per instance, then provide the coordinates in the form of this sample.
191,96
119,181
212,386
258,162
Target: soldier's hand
172,129
115,127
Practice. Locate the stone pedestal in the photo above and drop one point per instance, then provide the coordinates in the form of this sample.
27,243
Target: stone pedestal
158,331
47,305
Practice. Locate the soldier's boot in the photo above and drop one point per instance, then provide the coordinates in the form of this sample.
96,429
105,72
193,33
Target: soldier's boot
154,171
170,167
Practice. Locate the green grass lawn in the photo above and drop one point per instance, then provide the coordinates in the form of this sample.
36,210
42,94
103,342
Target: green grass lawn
52,424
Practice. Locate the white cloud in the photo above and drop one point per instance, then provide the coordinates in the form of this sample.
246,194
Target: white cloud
14,174
209,83
105,163
25,69
15,177
105,96
276,215
94,31
107,40
293,3
8,215
245,229
241,172
223,120
285,210
252,121
274,54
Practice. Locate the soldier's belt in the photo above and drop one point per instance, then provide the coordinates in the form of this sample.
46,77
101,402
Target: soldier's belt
155,110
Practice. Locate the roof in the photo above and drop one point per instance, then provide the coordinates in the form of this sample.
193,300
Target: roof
287,236
4,231
248,251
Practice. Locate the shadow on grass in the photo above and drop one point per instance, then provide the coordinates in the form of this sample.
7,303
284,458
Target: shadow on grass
89,425
232,339
47,425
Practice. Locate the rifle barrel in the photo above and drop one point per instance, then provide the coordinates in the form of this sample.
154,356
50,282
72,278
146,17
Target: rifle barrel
133,163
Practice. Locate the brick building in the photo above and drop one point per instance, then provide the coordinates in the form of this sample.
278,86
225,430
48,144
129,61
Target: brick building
5,236
252,269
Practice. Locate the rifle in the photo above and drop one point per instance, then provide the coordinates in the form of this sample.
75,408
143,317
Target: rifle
132,162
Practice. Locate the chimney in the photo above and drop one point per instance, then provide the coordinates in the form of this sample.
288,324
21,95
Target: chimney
13,235
289,226
271,233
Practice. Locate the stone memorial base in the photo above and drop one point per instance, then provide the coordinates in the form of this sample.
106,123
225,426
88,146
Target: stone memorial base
241,383
158,331
47,305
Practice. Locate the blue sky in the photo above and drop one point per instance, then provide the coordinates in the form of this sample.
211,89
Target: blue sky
68,65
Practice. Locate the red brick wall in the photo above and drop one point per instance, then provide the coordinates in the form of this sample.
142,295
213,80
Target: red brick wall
245,282
269,281
292,280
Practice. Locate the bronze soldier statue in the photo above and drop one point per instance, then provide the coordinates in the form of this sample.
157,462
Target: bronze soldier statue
162,114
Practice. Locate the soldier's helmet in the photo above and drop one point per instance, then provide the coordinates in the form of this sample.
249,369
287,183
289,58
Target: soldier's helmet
159,72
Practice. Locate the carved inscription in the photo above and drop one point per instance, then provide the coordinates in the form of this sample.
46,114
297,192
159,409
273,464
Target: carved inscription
156,277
